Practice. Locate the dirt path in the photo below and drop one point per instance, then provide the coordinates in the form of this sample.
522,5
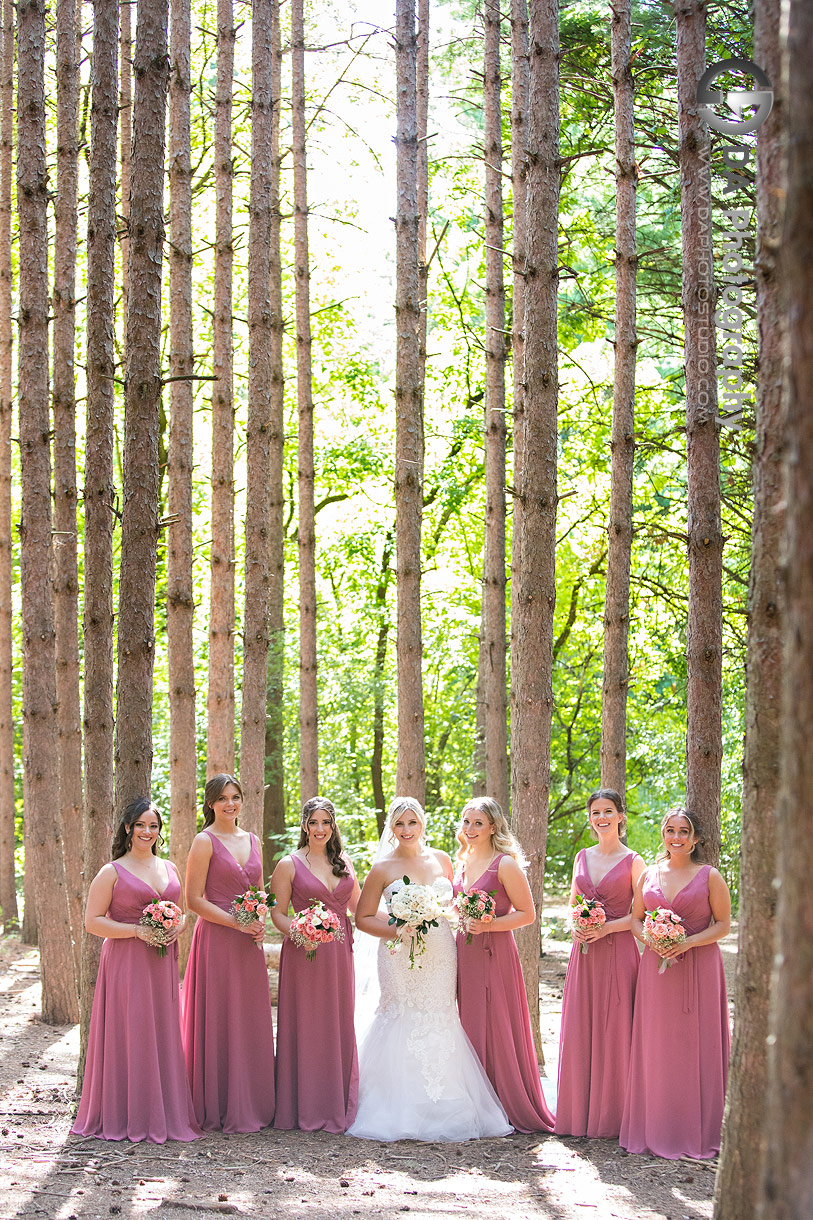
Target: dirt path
45,1172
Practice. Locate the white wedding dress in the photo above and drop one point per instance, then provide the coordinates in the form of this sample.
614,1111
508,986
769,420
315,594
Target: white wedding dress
419,1076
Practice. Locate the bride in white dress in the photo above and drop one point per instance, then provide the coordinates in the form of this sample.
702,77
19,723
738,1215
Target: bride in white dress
419,1077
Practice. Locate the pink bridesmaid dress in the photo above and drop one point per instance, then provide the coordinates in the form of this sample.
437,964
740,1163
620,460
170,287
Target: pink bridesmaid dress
494,1013
227,1026
680,1039
597,1006
317,1064
135,1085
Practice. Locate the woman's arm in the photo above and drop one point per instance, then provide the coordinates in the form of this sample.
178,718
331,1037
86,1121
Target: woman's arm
98,922
638,909
720,903
519,894
353,901
197,870
367,917
281,883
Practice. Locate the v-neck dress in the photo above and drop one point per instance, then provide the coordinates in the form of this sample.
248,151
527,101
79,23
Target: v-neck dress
227,1025
317,1063
135,1084
680,1038
597,1008
494,1012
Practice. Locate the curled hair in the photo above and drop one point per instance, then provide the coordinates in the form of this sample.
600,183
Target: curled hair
334,848
213,790
699,839
609,794
399,806
123,838
503,839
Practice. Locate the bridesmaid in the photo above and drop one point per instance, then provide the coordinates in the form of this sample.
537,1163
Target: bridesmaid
317,1065
490,988
227,1026
600,986
135,1085
680,1034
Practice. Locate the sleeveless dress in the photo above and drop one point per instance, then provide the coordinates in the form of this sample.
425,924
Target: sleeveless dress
227,1026
135,1085
419,1077
494,1012
680,1039
597,1007
317,1064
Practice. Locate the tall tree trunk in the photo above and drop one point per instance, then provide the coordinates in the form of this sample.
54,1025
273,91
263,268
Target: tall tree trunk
8,889
255,619
126,121
411,770
180,577
737,1183
274,799
66,575
422,110
139,520
40,727
99,496
379,686
787,1188
622,442
536,594
306,533
704,642
220,699
496,728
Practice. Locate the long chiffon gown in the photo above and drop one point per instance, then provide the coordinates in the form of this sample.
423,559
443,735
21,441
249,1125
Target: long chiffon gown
135,1085
317,1063
494,1013
227,1027
680,1039
597,1007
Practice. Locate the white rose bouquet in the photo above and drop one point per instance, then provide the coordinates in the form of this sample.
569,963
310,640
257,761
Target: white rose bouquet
417,909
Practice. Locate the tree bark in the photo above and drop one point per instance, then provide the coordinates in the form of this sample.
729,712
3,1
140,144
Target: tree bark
255,619
704,641
8,802
306,533
126,122
220,698
40,726
787,1188
737,1182
536,595
411,769
99,494
379,686
139,521
622,443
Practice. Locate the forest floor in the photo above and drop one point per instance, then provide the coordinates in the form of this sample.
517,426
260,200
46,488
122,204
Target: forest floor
275,1175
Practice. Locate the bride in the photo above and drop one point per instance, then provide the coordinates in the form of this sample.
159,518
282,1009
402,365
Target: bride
419,1077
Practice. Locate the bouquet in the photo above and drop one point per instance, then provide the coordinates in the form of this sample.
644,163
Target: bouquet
662,929
586,914
252,905
414,907
475,904
316,925
161,918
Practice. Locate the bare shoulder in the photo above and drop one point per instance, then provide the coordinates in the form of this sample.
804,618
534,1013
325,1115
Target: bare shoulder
717,880
445,862
201,844
285,866
107,874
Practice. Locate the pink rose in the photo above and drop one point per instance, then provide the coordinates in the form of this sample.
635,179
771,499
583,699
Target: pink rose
261,908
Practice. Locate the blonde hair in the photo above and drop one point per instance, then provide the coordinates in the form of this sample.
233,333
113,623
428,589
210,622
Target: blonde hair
502,838
399,806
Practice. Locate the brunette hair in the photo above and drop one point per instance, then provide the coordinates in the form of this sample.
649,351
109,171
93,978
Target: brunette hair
334,848
502,837
123,838
399,806
214,789
609,794
694,821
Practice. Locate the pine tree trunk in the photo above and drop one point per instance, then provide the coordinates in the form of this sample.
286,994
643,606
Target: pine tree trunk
274,799
126,122
496,728
8,889
411,770
422,110
99,495
139,519
40,726
737,1183
536,594
306,533
622,442
379,684
255,619
704,648
220,698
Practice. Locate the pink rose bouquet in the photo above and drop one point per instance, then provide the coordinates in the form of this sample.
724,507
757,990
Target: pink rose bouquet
254,904
475,904
161,917
662,929
316,925
587,914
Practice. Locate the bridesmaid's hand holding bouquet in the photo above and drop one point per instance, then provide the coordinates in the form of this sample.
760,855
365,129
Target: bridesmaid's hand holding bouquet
316,925
164,921
663,931
475,906
250,908
587,915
